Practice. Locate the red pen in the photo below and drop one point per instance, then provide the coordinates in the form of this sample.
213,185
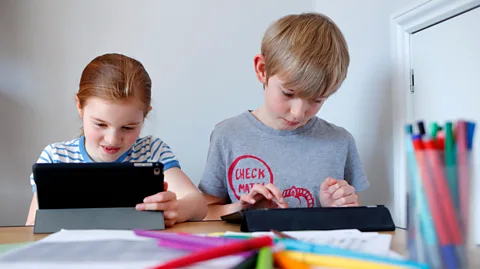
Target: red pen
220,251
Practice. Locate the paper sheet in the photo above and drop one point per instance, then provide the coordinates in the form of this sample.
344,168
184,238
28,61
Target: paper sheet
99,249
367,242
105,249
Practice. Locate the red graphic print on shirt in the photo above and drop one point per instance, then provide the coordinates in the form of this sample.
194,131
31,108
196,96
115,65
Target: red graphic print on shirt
300,193
247,170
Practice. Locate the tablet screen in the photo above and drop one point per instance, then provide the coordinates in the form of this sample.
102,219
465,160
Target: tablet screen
96,185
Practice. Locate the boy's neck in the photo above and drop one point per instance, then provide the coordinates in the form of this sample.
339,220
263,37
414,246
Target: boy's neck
261,115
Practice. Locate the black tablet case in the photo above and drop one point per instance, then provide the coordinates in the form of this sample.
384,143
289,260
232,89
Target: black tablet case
96,196
363,218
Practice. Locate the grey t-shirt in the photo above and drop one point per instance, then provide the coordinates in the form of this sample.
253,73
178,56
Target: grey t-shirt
243,151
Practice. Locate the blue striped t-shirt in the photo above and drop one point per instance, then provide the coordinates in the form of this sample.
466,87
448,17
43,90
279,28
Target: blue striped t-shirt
146,149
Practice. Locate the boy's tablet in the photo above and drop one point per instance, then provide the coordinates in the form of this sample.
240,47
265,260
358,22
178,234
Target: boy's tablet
364,218
96,185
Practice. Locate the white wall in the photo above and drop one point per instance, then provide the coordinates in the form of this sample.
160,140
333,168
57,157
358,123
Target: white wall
198,53
367,89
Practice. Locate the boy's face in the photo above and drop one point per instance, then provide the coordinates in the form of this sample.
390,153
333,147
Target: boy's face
110,128
283,110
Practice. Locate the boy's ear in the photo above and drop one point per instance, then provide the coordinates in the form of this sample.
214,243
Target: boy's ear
259,63
79,108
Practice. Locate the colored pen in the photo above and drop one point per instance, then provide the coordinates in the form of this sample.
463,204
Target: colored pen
324,250
463,173
463,182
237,236
285,262
415,243
465,209
248,263
186,238
332,261
441,184
265,259
219,251
282,235
180,246
426,227
433,129
193,247
450,166
421,128
446,245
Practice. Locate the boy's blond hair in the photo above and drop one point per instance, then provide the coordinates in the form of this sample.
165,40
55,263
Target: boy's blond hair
308,52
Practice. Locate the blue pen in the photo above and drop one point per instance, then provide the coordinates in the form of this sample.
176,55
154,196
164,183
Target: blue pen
415,242
470,133
291,244
427,227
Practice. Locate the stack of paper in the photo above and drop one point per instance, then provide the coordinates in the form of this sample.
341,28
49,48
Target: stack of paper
367,242
98,249
104,249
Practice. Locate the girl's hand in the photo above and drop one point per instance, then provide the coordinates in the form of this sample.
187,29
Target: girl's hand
165,201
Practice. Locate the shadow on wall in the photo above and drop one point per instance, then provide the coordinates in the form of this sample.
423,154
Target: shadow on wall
17,122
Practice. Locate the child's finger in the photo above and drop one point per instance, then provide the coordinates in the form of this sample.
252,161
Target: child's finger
349,205
259,189
169,222
336,186
153,206
171,214
160,197
346,200
276,192
282,204
343,191
247,198
165,186
327,183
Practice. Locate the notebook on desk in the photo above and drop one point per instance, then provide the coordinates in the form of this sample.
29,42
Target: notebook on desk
96,196
363,218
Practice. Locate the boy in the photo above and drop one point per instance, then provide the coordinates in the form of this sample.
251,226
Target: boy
282,155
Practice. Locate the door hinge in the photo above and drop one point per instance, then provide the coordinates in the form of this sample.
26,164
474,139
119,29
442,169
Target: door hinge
412,81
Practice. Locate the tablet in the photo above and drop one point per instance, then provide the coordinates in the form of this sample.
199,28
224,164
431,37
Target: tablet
364,218
96,185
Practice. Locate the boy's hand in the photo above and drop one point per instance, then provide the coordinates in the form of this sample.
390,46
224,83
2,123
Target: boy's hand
266,196
166,201
334,192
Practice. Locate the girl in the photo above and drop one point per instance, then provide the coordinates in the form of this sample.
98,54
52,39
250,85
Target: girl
113,101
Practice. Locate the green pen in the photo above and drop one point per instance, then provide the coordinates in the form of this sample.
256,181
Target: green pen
264,259
237,236
434,129
450,165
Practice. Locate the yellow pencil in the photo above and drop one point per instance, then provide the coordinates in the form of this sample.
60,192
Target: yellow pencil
216,234
338,262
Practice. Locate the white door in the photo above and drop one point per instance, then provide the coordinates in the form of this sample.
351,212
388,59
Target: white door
446,64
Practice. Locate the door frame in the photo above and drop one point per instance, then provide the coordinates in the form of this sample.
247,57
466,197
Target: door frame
403,25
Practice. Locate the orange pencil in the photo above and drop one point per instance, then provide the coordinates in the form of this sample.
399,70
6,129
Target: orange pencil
285,262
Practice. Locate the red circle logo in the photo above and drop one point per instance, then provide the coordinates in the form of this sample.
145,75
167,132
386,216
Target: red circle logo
246,171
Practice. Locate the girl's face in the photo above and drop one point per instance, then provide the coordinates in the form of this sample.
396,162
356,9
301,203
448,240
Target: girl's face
110,128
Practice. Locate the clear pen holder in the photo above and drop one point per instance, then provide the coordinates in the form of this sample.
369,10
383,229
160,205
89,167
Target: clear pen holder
439,203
